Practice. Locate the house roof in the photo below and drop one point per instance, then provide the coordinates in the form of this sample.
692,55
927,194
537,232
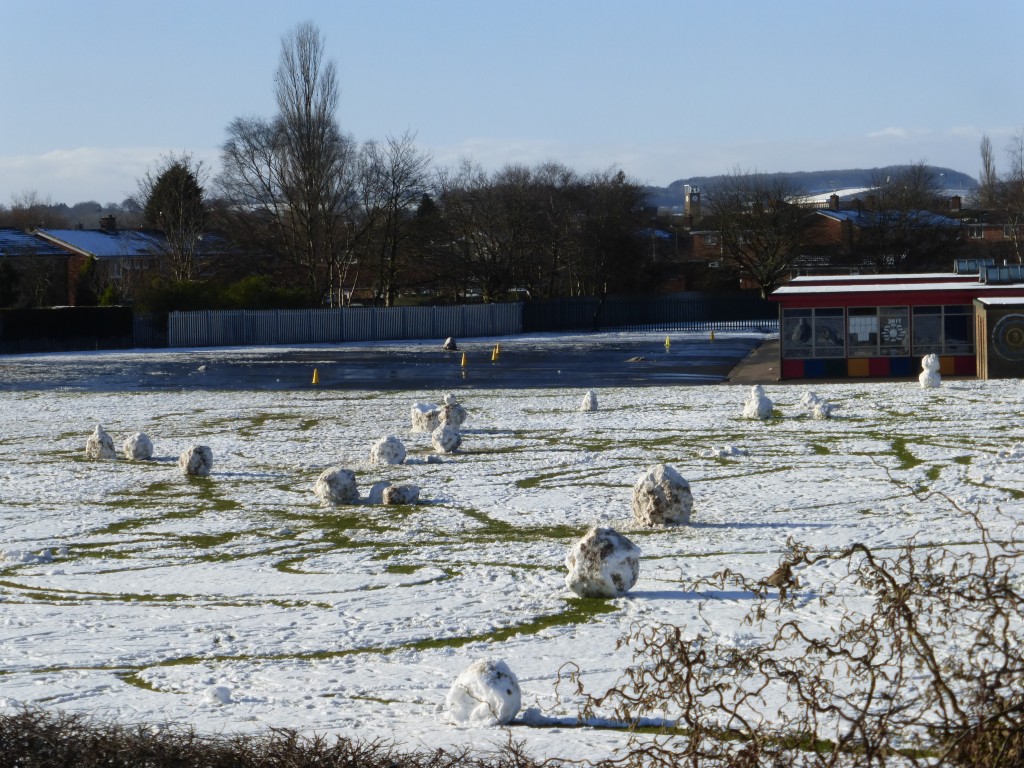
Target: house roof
103,244
16,242
866,219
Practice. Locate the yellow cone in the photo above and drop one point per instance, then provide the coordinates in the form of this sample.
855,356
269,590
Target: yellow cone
463,359
667,343
712,335
316,376
494,355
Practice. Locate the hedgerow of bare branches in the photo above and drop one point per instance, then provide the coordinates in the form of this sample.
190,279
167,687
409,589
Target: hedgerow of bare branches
931,674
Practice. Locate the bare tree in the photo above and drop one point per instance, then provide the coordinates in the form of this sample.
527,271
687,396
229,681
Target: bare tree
899,231
392,181
989,179
1011,195
761,221
290,178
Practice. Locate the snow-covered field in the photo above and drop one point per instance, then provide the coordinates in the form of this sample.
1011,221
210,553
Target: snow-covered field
236,602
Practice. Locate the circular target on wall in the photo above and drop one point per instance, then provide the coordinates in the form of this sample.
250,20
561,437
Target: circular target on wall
1008,337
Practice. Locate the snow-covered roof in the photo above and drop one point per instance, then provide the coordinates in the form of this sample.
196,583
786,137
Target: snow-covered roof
966,287
105,244
923,277
1000,300
866,219
15,242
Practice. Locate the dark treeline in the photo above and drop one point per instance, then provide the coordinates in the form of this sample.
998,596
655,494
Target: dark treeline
302,214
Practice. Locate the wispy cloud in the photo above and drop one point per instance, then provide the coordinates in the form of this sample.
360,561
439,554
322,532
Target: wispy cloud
890,133
76,175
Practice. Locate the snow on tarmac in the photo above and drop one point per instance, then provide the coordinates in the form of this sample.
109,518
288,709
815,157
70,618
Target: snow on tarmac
237,602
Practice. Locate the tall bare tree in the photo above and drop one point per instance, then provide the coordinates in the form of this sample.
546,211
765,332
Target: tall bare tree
761,221
988,181
293,174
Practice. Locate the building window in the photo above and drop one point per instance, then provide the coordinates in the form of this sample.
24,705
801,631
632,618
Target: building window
878,331
812,333
947,330
975,231
710,239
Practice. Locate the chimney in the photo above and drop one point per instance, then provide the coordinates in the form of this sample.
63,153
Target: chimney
833,202
108,223
955,202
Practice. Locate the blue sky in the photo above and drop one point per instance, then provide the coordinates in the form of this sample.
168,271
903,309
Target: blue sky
95,93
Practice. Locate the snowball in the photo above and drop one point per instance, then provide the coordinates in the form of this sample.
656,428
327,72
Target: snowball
99,445
450,345
589,401
376,493
387,450
487,692
604,563
196,460
930,377
725,451
822,410
446,439
759,405
401,494
425,417
661,497
336,486
817,407
218,694
138,447
453,414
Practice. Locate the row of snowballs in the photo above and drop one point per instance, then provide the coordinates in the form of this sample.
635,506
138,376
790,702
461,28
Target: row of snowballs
337,485
759,406
195,460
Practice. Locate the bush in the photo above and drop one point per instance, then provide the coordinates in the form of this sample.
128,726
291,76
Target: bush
34,739
933,674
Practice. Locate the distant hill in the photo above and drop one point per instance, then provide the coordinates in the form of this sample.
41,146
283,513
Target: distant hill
811,182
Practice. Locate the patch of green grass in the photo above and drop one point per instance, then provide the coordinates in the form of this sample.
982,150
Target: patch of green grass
820,450
903,455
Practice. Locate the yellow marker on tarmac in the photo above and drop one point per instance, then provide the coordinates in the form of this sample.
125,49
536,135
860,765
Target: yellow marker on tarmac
497,350
494,355
316,376
712,335
463,359
668,344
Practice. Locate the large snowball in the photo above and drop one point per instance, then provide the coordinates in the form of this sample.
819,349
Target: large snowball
137,447
197,460
486,692
446,439
930,377
99,445
336,486
589,401
758,405
387,450
425,417
661,496
401,494
604,563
